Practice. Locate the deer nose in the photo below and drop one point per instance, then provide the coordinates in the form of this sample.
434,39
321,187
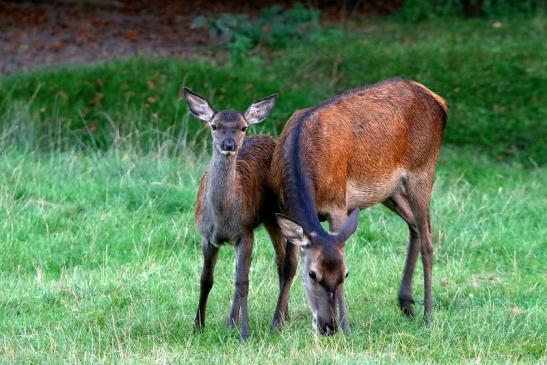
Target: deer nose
228,145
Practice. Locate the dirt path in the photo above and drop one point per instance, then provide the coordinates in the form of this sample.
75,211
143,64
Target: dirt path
34,35
39,33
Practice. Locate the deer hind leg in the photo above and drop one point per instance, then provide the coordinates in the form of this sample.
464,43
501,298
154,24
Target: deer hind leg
210,255
398,203
419,188
243,264
279,244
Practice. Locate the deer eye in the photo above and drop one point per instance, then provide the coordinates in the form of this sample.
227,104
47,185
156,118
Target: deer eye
213,127
243,129
312,274
347,274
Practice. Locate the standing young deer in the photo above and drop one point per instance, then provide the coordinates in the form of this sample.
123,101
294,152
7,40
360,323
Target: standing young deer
234,197
377,144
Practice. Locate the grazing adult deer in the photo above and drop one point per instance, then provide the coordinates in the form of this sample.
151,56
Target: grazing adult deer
377,144
234,197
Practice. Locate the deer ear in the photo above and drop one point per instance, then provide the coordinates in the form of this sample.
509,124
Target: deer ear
198,105
349,226
292,231
260,109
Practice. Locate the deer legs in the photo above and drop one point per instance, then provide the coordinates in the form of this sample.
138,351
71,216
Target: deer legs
414,209
243,264
239,306
279,243
419,191
343,310
289,270
336,219
210,255
398,203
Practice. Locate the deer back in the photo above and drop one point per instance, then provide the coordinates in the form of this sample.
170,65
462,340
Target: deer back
362,139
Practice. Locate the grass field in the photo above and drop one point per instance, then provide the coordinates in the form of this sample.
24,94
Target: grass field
100,262
100,259
493,78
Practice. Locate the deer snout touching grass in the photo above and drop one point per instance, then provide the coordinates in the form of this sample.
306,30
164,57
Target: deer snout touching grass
234,198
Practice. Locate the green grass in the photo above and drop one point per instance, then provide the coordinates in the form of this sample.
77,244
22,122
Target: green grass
100,262
493,78
100,259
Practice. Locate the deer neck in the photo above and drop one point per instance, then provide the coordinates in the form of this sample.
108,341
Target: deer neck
222,181
300,190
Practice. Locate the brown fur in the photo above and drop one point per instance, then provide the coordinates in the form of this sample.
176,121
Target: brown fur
246,201
252,188
234,197
377,144
346,139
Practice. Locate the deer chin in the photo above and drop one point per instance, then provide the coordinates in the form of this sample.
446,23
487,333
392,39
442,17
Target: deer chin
227,153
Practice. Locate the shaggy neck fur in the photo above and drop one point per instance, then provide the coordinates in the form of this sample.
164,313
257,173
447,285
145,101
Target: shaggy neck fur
300,200
222,181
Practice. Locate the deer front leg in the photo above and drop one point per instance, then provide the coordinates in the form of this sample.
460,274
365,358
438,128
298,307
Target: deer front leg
243,264
343,310
336,218
289,271
210,254
279,242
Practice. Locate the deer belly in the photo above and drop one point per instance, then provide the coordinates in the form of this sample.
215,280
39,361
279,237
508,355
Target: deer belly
219,239
222,236
364,193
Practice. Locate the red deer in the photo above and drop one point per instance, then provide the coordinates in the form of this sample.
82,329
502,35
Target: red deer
234,197
377,144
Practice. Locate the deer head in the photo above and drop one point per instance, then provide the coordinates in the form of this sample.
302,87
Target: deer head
228,126
322,265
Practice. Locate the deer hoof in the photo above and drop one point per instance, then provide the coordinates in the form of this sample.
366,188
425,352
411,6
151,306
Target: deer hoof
407,307
245,335
427,320
276,325
198,327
